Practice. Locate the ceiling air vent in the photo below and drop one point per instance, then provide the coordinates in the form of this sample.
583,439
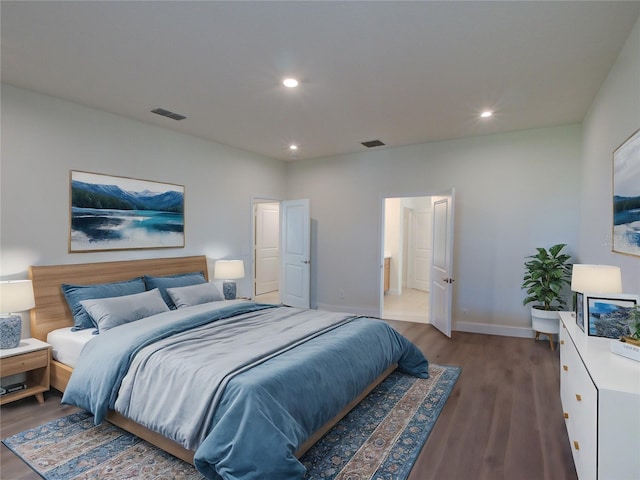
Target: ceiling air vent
373,143
168,114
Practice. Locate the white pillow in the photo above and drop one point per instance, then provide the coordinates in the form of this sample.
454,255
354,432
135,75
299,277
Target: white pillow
194,295
111,312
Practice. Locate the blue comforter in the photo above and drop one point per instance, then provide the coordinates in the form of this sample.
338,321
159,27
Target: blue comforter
264,413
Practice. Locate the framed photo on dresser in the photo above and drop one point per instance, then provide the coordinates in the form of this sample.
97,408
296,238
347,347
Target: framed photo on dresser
608,315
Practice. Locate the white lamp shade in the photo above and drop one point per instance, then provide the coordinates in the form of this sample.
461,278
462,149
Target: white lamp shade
229,269
596,279
16,296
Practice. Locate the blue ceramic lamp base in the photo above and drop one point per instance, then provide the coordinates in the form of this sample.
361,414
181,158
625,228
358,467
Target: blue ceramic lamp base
10,331
229,289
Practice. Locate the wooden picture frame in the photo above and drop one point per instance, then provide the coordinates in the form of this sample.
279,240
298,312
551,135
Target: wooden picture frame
607,314
120,213
626,197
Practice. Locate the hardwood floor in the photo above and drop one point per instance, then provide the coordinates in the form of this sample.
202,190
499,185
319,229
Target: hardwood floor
503,419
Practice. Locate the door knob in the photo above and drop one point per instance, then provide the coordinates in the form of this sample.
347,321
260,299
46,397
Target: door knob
307,262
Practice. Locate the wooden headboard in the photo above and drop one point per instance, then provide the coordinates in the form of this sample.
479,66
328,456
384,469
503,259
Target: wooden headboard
51,310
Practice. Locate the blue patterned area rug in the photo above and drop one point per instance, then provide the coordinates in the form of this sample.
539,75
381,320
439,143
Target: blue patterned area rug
380,438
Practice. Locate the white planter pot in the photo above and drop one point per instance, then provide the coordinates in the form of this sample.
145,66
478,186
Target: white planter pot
545,321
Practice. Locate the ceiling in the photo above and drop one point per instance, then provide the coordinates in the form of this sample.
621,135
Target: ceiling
401,72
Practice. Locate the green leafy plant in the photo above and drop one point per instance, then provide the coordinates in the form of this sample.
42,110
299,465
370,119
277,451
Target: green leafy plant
546,273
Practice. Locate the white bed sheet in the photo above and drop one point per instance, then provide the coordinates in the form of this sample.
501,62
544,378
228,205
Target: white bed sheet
67,345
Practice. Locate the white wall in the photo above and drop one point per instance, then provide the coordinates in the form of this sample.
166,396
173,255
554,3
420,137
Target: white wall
514,192
614,115
43,138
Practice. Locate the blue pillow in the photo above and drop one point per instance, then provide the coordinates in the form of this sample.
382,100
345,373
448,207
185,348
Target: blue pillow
74,294
172,281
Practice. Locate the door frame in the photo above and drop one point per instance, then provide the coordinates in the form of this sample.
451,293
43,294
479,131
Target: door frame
381,225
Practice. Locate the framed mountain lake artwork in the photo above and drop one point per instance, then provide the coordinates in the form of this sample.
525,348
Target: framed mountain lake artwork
626,196
120,213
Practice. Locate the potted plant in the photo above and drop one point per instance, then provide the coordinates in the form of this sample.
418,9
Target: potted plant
546,274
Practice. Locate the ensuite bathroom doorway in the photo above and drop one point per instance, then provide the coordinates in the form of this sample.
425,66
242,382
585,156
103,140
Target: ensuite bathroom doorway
407,247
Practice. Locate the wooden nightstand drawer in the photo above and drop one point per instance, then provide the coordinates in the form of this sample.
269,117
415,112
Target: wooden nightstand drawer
24,362
32,358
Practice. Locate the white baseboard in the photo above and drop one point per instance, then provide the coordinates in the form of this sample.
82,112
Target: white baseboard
489,329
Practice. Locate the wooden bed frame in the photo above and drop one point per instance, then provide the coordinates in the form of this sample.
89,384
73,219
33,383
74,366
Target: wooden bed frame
52,312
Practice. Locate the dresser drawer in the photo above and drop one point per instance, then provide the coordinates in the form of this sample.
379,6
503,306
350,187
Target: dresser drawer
602,423
24,362
579,398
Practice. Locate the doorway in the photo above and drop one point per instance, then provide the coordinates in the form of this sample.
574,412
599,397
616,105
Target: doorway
281,253
266,251
407,247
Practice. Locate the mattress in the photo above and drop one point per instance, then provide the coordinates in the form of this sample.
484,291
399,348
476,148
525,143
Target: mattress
67,345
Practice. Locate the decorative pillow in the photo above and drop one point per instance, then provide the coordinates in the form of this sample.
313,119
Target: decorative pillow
172,281
194,295
111,312
74,294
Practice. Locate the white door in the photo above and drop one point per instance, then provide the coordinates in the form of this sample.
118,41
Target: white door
295,249
421,251
441,263
267,247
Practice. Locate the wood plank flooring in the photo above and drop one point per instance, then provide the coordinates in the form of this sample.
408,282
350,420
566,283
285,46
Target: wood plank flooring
503,419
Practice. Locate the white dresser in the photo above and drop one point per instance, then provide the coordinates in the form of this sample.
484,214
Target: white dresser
600,393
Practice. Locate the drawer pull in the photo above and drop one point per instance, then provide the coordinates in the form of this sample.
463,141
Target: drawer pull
578,397
565,368
566,415
576,445
561,342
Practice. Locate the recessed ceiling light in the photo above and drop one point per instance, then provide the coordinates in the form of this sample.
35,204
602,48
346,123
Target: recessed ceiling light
293,147
290,82
486,114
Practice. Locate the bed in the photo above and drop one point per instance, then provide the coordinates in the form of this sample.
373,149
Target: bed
289,388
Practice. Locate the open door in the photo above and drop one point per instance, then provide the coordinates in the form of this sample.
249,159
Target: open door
295,250
441,262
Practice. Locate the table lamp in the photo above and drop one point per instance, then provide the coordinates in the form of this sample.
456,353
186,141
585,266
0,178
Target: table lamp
15,296
229,270
596,279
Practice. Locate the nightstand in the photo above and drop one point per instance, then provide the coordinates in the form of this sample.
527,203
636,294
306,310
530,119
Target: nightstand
32,357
